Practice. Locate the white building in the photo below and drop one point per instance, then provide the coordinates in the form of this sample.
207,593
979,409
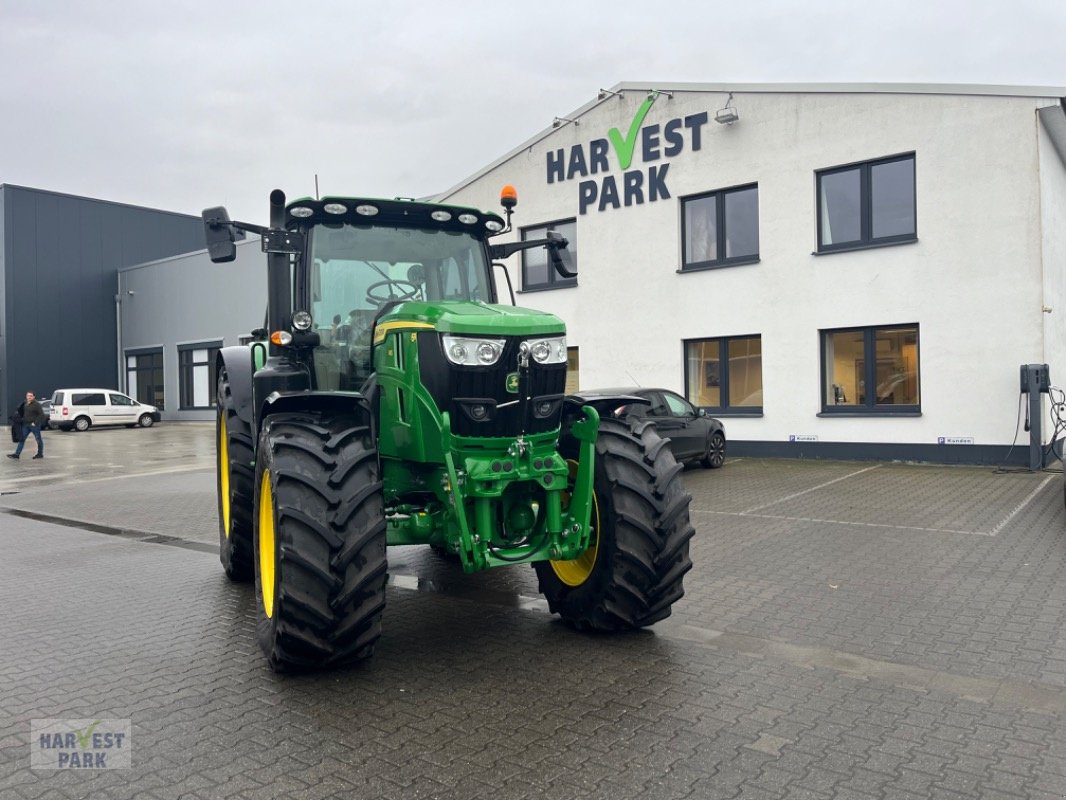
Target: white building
832,239
839,271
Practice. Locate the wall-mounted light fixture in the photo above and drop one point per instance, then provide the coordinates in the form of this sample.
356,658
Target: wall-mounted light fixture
562,120
727,115
604,93
653,93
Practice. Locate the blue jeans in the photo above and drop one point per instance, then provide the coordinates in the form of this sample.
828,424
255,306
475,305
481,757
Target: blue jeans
26,431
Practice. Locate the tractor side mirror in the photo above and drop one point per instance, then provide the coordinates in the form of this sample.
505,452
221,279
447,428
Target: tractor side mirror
221,246
560,256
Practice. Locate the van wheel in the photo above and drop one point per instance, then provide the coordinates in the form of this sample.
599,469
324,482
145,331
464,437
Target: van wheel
146,421
82,424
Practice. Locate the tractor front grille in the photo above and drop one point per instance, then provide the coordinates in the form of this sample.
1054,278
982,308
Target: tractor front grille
466,392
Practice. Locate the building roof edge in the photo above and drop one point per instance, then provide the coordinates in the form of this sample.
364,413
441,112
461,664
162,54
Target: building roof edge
1056,93
95,200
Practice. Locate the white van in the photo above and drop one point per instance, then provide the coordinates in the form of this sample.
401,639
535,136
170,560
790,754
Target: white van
81,408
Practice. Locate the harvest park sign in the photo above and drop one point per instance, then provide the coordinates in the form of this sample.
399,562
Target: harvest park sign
655,142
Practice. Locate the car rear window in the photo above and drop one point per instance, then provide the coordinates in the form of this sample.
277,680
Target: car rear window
57,399
87,399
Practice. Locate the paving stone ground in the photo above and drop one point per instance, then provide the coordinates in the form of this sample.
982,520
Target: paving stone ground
850,630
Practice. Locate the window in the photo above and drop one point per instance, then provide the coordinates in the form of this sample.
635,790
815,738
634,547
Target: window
871,370
867,204
144,376
573,367
196,375
537,271
721,228
94,399
725,374
120,399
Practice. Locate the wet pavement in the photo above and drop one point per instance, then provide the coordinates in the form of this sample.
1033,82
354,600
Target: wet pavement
850,630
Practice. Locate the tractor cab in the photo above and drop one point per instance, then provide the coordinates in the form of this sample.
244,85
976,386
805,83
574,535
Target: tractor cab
356,274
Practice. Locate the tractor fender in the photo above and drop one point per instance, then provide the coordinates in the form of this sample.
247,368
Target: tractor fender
237,362
352,403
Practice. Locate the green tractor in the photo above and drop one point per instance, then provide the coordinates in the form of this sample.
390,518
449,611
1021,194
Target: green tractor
392,400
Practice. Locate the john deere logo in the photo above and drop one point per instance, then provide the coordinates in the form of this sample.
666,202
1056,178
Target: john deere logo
512,383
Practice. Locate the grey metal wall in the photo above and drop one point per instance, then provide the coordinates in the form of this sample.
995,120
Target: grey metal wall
186,300
60,254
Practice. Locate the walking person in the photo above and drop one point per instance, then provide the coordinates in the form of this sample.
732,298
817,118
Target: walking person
32,419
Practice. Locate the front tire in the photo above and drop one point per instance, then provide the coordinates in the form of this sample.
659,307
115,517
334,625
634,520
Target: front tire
234,485
146,421
632,573
320,542
715,455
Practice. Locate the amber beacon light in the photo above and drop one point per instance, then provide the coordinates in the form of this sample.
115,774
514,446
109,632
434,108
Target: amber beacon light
508,196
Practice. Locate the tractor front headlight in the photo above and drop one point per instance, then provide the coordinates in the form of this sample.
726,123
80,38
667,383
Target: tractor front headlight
302,321
466,351
548,351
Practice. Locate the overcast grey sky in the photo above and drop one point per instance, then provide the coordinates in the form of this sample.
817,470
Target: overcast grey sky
188,103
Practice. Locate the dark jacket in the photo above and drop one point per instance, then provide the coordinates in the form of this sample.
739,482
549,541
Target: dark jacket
33,414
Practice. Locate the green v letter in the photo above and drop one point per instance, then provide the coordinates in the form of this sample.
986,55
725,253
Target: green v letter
625,147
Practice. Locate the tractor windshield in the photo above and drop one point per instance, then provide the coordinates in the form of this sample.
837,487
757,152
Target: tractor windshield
355,269
363,266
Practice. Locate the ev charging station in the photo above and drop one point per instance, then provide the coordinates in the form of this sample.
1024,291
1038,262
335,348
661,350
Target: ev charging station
1035,382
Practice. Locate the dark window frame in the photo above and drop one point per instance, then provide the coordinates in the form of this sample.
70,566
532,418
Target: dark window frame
555,280
186,373
720,230
725,410
137,353
870,407
866,238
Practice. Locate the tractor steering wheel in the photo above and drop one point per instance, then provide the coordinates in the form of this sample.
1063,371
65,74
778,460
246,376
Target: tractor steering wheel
400,293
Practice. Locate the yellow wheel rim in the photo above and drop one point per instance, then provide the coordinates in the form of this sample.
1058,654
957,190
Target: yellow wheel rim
223,472
576,571
266,544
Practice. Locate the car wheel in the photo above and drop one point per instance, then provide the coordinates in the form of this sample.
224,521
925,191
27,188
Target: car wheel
82,424
146,421
715,455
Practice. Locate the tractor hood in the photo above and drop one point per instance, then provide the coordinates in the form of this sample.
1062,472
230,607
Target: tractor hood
472,318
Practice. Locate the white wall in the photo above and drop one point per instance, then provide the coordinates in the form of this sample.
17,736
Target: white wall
974,281
1053,242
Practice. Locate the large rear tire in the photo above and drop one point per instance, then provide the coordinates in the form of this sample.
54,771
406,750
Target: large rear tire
235,485
320,542
632,573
